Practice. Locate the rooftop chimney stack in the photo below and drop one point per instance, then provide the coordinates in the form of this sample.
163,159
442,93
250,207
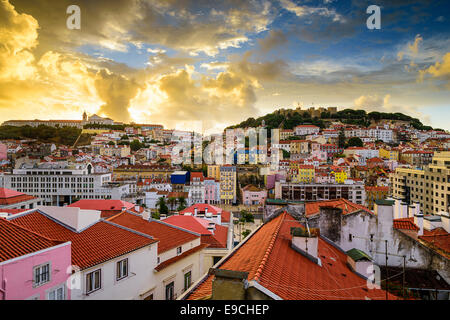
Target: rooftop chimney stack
195,211
124,208
306,241
411,211
418,220
445,221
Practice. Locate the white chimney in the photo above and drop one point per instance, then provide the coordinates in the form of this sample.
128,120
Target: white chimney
306,242
73,217
445,221
124,208
411,211
137,208
206,211
211,227
418,220
417,205
195,211
403,210
384,209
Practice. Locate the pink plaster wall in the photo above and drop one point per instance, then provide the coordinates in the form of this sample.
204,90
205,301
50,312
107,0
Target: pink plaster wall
16,276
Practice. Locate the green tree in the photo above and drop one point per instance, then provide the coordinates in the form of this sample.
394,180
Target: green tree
172,201
181,203
135,145
246,216
245,233
161,204
355,142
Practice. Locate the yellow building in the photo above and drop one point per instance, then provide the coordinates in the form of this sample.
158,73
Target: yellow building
214,171
95,131
115,151
299,146
143,172
303,174
388,154
227,180
340,176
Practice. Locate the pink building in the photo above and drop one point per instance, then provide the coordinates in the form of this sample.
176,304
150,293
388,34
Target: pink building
252,195
212,191
32,266
3,151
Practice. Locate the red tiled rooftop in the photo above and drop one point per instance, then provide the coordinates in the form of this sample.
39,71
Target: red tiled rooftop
199,225
438,239
8,196
98,243
225,215
405,224
268,258
101,205
347,207
16,241
169,236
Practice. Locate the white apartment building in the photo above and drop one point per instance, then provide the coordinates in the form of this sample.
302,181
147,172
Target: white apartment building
351,191
59,183
304,130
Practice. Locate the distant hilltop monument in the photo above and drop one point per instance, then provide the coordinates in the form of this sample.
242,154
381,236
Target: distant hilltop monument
93,119
312,111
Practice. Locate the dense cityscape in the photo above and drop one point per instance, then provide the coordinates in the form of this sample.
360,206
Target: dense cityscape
209,159
120,202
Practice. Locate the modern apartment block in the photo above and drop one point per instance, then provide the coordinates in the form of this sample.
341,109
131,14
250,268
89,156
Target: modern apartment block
430,186
61,183
315,192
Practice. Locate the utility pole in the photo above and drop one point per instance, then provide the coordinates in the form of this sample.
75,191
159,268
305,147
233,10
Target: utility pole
387,273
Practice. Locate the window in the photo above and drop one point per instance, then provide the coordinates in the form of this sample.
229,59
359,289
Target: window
187,280
56,294
122,269
41,274
93,281
350,237
179,250
169,291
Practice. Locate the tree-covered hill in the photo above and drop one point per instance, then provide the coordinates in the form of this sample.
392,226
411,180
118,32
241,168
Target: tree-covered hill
64,135
288,119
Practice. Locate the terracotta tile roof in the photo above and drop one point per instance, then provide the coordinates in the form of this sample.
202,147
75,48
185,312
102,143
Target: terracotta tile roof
102,205
8,196
169,236
225,215
268,258
98,243
171,261
347,206
405,224
438,239
199,225
16,241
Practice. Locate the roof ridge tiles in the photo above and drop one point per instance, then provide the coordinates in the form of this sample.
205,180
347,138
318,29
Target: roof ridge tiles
35,233
130,230
177,227
269,249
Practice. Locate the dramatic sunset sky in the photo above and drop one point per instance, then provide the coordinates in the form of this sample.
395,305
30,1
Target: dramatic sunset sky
191,63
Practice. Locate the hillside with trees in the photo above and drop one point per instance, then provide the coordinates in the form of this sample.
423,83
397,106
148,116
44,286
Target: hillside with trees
59,135
288,119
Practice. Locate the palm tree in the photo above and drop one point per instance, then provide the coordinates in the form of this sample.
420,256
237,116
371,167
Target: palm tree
172,201
161,204
181,203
